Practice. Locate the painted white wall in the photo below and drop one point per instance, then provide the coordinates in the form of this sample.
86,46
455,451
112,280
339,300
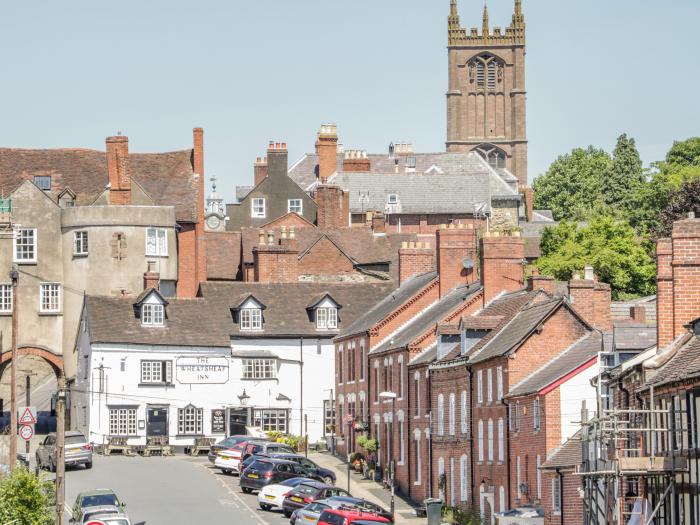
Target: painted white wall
573,392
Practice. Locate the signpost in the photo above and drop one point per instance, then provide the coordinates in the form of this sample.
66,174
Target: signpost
26,432
28,416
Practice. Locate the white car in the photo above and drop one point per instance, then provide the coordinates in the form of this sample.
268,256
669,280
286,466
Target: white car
272,496
228,461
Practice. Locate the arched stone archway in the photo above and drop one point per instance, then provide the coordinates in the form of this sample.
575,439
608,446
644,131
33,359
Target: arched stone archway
54,360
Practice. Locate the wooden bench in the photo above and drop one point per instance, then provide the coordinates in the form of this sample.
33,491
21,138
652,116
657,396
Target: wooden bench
118,444
157,445
201,445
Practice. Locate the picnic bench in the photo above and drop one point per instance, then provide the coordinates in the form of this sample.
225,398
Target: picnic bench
118,444
201,445
158,446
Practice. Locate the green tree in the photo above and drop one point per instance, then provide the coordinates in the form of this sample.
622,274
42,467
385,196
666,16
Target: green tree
682,201
608,244
685,153
25,500
572,186
625,175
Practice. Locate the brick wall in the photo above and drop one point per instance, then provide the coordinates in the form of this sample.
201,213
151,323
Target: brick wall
186,261
324,258
419,431
592,301
664,291
572,504
501,263
415,259
201,239
456,245
259,170
333,207
275,262
118,170
427,224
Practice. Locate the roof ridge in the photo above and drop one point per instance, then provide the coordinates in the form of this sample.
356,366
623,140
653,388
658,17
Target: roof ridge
405,325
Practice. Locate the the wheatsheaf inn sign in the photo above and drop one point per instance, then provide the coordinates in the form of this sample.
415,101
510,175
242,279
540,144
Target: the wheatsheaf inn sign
201,370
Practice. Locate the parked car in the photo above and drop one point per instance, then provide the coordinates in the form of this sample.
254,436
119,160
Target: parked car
77,451
269,471
350,516
266,447
309,515
326,475
229,460
113,519
272,496
88,502
247,462
226,444
309,492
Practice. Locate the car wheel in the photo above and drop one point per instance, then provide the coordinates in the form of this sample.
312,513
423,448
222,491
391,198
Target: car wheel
287,513
88,465
265,507
328,480
246,490
226,471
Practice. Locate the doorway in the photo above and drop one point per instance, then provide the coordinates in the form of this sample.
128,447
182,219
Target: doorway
237,421
157,421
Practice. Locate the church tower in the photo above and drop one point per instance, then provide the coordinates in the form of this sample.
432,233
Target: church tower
486,95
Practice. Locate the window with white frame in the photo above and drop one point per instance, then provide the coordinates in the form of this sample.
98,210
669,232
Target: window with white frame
536,417
539,477
517,477
50,297
453,408
294,206
490,431
441,415
157,242
259,368
480,386
257,208
501,440
419,458
152,314
417,383
340,363
328,417
556,494
463,492
157,372
489,385
326,318
80,243
402,442
190,420
400,377
251,319
122,421
362,359
392,198
5,298
502,497
481,440
517,416
24,241
271,419
499,383
463,412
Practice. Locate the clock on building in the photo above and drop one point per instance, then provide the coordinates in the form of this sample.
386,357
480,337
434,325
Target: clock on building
213,222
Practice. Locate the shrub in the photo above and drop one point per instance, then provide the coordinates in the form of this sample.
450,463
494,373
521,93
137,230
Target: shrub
25,499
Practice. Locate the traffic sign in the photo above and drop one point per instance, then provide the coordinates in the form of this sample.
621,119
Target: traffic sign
26,432
95,523
28,416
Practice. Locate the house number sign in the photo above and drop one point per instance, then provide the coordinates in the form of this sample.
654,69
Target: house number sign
202,370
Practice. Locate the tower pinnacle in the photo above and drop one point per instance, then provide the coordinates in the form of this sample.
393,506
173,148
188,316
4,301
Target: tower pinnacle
453,8
518,7
486,21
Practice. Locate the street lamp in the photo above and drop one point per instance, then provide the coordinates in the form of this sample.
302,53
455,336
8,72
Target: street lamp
392,396
243,398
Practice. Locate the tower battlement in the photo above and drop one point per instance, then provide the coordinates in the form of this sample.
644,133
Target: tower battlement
458,36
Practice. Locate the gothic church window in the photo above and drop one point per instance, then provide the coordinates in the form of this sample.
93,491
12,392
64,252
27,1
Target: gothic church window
486,71
496,157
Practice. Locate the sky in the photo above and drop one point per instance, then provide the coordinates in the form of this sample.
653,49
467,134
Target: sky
253,71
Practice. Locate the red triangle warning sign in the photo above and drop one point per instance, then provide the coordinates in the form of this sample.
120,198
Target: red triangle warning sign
27,418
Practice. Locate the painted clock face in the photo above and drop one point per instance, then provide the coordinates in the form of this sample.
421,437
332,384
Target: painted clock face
213,222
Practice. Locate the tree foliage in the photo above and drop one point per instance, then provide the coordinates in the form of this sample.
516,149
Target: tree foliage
625,175
682,201
608,244
25,499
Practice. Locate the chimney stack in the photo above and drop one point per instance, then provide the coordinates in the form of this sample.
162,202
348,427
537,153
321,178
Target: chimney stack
356,161
638,314
502,259
415,258
591,299
456,256
151,278
333,207
118,170
276,261
528,201
260,169
277,160
327,151
542,282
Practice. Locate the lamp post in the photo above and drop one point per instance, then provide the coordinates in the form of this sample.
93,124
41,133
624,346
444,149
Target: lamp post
14,277
392,396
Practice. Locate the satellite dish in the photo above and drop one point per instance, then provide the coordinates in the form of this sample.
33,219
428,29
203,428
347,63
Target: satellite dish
468,264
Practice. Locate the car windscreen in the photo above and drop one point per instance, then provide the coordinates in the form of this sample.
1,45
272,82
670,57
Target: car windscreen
307,489
331,518
262,466
75,440
230,441
99,500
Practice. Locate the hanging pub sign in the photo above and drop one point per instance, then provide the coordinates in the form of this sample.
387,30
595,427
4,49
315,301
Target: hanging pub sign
218,421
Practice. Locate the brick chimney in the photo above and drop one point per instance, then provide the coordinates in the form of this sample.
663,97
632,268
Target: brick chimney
528,200
151,280
275,260
118,170
277,160
542,282
377,221
260,169
200,237
333,207
591,299
327,151
356,161
638,314
415,258
456,256
678,279
501,263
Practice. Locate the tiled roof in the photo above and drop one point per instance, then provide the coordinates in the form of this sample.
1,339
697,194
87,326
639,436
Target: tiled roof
569,455
685,364
425,357
168,178
428,319
621,309
242,192
633,336
223,255
286,304
389,303
515,331
578,354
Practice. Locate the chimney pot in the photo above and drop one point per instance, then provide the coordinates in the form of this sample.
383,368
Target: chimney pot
270,237
261,237
283,234
588,273
291,232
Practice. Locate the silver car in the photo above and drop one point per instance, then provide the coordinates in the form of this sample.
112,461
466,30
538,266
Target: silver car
77,451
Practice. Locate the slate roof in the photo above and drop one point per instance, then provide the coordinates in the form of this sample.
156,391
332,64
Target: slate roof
578,354
685,364
425,357
389,303
621,309
568,455
633,336
242,192
427,319
168,178
286,304
503,340
223,255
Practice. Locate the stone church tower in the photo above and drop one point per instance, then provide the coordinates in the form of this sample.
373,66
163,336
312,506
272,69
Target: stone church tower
486,96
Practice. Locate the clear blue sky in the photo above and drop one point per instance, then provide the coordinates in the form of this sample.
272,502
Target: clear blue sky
249,71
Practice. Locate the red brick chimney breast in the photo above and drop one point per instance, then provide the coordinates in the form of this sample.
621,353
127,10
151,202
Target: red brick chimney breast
501,263
118,170
415,258
275,261
327,151
356,161
333,207
456,248
260,169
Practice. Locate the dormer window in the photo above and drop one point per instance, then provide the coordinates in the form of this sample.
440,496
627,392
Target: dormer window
392,198
152,315
326,318
251,319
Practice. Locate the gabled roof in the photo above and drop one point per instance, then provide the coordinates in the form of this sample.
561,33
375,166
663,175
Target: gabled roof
428,319
241,300
146,294
685,364
633,336
568,455
320,298
389,303
577,355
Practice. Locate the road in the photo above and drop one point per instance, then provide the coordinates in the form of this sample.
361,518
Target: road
171,491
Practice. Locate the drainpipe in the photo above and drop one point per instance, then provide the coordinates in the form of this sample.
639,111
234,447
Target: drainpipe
471,434
430,444
506,431
561,496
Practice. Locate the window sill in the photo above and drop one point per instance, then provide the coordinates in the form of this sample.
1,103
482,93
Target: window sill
159,255
417,483
50,314
150,385
5,313
80,256
259,379
25,262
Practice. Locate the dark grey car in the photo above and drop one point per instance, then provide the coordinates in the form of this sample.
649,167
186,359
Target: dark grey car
77,451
